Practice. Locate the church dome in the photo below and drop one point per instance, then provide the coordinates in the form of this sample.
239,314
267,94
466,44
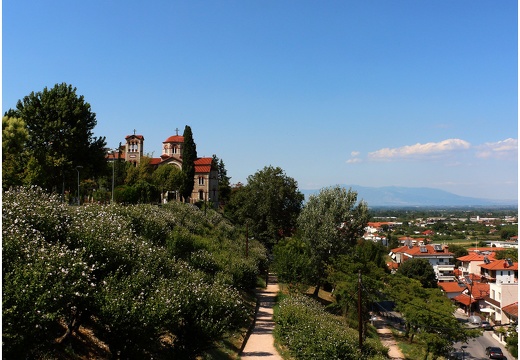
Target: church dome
174,139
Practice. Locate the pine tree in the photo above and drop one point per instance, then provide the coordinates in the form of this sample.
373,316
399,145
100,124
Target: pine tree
189,155
224,185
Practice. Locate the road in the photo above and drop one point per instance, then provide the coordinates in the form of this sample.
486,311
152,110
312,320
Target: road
476,348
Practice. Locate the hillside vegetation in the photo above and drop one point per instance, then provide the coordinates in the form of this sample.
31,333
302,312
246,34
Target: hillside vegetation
161,282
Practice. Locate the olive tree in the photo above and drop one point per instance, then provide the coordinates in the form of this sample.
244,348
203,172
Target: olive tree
331,222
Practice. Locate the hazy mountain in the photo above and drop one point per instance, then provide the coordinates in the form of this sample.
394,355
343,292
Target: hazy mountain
395,196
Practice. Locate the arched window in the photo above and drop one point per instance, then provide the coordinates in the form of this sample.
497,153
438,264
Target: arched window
201,194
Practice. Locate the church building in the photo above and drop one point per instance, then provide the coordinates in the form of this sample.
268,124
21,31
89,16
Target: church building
206,173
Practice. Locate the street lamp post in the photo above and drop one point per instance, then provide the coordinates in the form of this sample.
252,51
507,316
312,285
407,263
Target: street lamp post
113,165
77,169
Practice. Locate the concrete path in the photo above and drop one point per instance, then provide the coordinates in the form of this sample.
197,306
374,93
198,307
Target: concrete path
260,344
387,339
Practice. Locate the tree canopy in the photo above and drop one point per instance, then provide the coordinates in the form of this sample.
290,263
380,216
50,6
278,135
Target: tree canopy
419,269
189,155
331,222
60,137
269,204
14,137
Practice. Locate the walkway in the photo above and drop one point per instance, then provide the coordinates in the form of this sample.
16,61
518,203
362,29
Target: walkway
260,344
387,339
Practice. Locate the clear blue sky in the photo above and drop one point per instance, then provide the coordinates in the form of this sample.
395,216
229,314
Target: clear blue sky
372,92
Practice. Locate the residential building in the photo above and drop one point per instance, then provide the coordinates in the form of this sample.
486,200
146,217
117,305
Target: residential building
437,255
500,296
470,264
500,271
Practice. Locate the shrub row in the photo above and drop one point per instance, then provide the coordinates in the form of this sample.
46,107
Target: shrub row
138,274
309,332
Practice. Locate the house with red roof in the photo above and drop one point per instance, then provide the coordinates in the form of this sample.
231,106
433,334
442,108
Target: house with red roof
510,313
451,288
470,264
437,255
500,271
502,276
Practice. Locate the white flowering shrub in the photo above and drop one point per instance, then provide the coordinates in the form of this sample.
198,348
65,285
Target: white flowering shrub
299,318
135,274
44,280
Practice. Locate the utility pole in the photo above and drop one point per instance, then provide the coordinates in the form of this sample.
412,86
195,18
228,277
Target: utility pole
360,317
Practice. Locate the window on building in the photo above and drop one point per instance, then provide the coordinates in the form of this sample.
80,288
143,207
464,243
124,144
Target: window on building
201,180
201,195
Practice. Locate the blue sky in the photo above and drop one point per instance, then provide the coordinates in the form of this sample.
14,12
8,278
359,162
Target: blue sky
372,93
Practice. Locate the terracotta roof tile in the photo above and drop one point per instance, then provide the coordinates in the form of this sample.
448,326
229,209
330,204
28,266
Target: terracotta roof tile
175,139
499,265
472,256
451,287
511,310
464,299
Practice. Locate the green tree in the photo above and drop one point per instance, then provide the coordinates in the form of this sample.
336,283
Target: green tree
458,251
427,313
224,185
343,274
507,254
60,137
269,204
14,137
142,172
189,155
331,222
292,261
508,231
419,269
161,178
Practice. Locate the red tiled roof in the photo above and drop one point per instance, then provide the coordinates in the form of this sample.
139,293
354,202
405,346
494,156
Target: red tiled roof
476,257
155,161
203,165
464,299
416,250
451,287
511,310
479,290
136,136
115,156
392,265
499,265
175,139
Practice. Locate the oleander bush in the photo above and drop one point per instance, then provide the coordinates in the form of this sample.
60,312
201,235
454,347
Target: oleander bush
299,318
161,282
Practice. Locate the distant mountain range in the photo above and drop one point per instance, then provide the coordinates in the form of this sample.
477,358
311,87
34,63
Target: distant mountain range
395,196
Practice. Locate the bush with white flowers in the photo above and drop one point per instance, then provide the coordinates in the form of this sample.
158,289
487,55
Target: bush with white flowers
135,274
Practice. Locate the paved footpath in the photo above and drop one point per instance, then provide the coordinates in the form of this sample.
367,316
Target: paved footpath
387,339
260,344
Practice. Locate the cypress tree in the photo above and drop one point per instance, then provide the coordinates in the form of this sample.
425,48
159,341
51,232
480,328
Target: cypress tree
189,155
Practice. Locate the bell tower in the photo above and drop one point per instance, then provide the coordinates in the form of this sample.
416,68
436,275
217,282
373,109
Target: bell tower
134,148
